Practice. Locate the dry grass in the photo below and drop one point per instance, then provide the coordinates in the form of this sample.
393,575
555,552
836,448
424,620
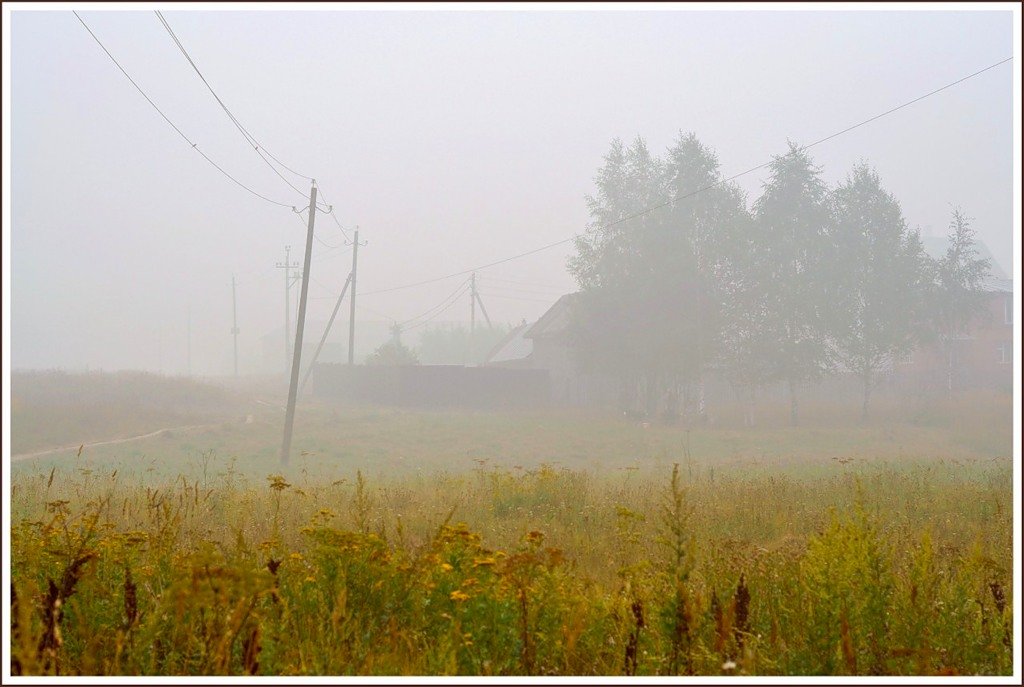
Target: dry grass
403,542
867,570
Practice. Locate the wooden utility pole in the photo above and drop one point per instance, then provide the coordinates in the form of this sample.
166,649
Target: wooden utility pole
352,302
188,356
472,316
287,267
323,339
234,322
476,294
293,387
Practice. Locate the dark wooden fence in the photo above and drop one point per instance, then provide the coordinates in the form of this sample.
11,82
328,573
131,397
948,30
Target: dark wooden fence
433,386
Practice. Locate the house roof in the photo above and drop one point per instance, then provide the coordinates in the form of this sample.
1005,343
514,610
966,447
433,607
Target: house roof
514,346
556,319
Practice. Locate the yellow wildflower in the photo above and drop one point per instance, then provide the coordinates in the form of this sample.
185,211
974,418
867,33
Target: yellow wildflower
458,595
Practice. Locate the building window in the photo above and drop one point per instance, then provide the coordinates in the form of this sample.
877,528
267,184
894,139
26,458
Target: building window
1005,355
1008,309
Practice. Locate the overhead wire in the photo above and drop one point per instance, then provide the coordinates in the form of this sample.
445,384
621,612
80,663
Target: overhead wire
436,314
491,294
333,216
250,139
174,126
676,199
443,305
535,285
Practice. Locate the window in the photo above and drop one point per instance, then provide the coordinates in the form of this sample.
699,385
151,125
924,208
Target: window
907,358
1008,309
1005,354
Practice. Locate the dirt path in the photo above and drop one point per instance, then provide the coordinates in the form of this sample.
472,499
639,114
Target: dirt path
75,447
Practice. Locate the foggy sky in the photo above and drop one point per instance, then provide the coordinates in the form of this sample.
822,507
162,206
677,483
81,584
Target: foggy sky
452,138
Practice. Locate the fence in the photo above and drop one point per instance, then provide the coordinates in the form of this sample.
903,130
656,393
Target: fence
433,386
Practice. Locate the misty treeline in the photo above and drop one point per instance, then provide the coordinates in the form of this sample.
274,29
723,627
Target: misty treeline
807,281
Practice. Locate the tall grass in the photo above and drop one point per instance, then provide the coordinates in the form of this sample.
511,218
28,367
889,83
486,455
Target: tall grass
548,571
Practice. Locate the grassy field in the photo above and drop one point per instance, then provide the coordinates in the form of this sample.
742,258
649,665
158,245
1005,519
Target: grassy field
54,408
411,542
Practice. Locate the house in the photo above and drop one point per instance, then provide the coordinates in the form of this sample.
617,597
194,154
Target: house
514,351
545,345
983,358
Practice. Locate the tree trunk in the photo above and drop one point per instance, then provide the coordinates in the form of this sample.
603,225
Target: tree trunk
702,409
794,418
867,396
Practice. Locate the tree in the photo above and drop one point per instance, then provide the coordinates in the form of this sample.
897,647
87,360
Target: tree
877,305
606,314
649,297
792,256
393,352
957,296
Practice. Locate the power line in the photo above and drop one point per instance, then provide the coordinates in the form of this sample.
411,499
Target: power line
435,315
249,138
335,218
375,312
518,282
549,301
676,199
167,119
507,288
329,246
443,305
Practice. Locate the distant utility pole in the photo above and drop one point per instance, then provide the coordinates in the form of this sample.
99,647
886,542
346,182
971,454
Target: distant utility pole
474,299
352,302
287,267
188,356
476,294
327,331
472,317
293,387
234,322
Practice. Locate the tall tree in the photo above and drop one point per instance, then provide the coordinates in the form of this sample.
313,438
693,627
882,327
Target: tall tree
606,316
709,222
958,296
792,224
649,299
877,306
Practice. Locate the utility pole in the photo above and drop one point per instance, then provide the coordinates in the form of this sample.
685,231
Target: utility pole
287,267
234,322
323,339
352,302
188,355
472,316
293,387
481,304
